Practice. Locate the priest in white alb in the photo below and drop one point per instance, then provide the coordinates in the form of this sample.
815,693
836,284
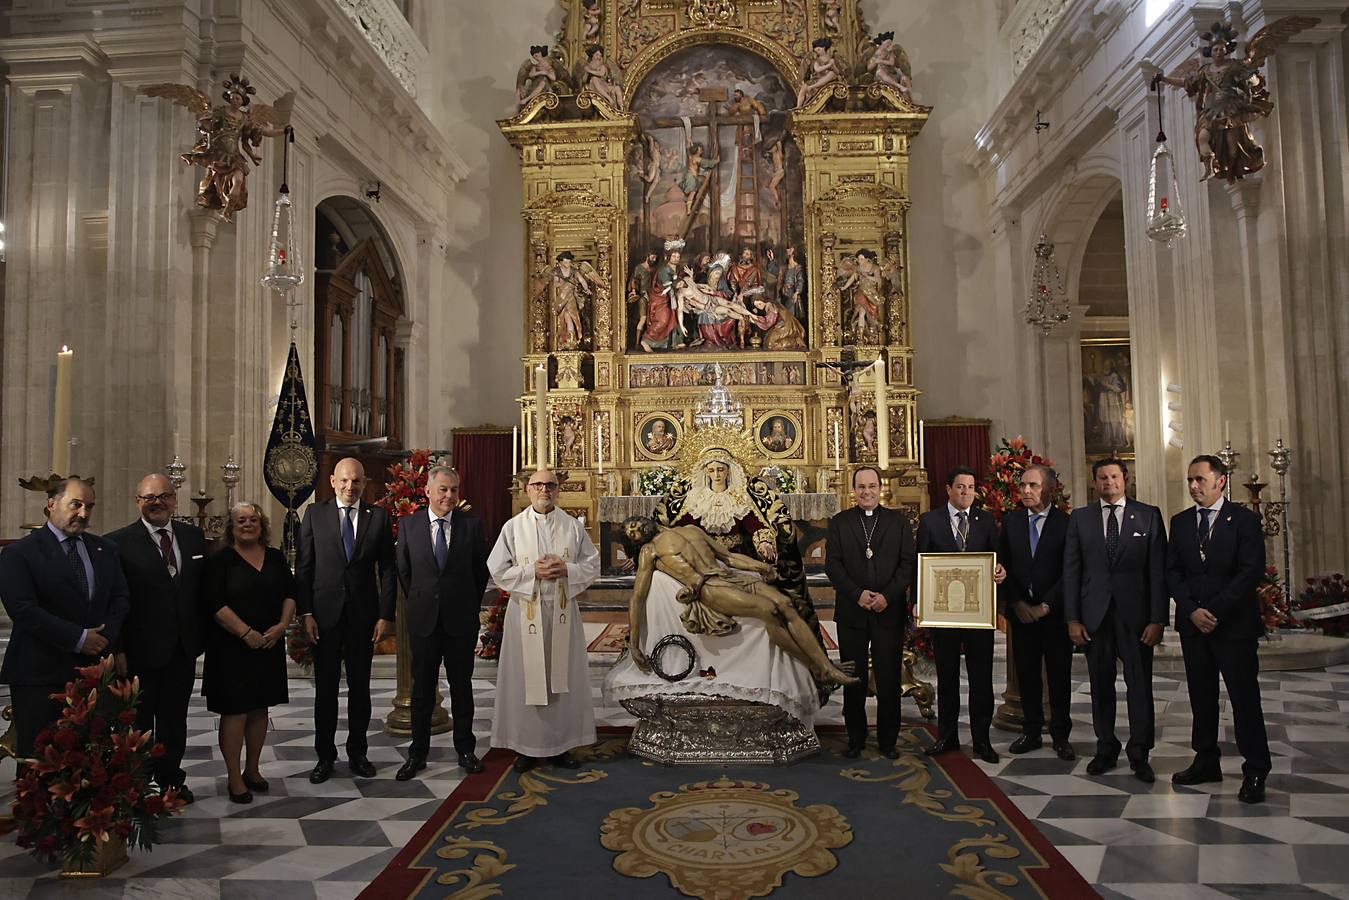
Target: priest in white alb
544,558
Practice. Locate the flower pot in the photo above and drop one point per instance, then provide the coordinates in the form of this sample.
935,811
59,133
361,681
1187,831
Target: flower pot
110,854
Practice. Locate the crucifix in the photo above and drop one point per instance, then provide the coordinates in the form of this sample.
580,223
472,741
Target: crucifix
709,185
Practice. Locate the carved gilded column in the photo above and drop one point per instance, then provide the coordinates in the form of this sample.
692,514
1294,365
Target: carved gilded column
538,309
898,313
603,313
829,333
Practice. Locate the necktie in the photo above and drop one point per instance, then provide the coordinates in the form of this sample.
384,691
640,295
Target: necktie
1111,532
1035,532
442,549
962,529
81,577
166,548
348,532
1203,533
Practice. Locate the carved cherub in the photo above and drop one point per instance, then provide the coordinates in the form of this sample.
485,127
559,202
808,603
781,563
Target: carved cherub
829,15
597,75
591,20
1229,93
226,136
821,70
537,74
886,62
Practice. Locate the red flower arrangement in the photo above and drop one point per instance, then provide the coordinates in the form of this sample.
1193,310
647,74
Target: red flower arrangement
1324,604
1273,601
494,620
1001,493
405,488
87,782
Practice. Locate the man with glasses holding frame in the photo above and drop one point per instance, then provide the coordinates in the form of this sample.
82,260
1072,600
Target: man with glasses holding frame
162,560
544,558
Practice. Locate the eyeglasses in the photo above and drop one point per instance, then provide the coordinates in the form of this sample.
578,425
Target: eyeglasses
162,498
546,485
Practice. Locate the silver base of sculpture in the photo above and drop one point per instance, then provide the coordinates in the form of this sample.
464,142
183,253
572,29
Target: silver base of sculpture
693,729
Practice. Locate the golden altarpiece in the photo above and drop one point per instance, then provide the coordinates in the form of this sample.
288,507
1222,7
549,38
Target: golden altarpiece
717,190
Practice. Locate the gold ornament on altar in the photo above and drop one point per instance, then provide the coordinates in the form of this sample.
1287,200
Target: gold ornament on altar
715,442
711,13
226,136
1229,93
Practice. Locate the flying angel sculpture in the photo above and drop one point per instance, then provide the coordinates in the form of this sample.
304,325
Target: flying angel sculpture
226,136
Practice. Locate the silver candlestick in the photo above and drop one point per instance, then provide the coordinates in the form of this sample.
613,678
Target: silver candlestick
1232,461
176,471
1281,459
229,473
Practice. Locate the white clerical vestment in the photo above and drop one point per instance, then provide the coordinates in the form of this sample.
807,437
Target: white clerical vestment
543,704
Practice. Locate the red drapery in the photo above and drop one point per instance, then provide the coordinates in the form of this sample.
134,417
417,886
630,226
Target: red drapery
952,442
483,458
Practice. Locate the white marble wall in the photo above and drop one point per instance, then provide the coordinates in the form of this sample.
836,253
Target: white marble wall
1248,312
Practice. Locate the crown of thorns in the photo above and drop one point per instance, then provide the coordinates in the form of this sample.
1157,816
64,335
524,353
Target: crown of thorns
237,85
1219,33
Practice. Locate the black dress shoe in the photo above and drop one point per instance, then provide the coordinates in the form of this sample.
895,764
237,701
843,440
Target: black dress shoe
245,797
360,765
410,768
258,785
566,761
470,763
1197,774
890,753
852,752
524,763
985,751
943,745
1252,789
1065,751
184,794
1025,744
1143,771
323,770
1101,764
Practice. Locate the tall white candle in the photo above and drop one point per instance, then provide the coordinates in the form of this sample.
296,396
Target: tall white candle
540,414
882,417
922,454
599,435
838,447
65,364
515,447
1227,430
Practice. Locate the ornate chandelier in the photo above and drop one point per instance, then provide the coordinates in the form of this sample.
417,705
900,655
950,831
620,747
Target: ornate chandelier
1166,221
1047,305
284,271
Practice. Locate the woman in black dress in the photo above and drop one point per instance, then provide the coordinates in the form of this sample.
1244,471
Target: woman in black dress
251,592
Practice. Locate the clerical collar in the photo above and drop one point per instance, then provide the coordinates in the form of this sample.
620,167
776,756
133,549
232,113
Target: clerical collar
869,512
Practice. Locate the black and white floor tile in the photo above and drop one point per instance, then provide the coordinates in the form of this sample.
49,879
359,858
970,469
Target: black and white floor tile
1127,838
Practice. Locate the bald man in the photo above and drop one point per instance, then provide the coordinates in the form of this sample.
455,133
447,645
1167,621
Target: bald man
162,561
347,577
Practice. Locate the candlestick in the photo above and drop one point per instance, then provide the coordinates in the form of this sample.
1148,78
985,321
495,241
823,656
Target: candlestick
515,447
837,447
540,412
65,364
882,417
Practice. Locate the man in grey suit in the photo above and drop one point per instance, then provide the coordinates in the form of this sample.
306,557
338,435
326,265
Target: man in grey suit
1115,601
346,597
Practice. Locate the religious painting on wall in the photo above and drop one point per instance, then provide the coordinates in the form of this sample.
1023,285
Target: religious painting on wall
777,434
1107,397
714,208
657,437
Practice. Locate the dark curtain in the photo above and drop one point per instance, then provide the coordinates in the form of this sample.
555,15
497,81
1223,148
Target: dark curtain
951,443
483,459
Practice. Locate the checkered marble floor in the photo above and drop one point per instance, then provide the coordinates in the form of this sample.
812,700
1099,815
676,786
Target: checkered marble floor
1127,838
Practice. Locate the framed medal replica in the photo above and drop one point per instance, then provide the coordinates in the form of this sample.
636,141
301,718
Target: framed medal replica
955,590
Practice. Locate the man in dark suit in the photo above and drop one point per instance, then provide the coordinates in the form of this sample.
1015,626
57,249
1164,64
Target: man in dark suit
956,528
1214,563
162,561
442,563
346,595
1115,600
870,562
1031,548
64,590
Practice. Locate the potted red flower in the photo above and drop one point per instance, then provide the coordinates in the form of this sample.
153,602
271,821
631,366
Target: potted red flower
84,797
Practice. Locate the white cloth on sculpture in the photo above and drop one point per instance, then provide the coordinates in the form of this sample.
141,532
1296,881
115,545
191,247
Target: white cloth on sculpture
567,719
749,666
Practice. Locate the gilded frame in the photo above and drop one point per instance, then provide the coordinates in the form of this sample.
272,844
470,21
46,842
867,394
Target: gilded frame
973,573
674,428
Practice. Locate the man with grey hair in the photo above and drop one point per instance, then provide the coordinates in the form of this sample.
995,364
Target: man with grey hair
442,564
1031,549
66,594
